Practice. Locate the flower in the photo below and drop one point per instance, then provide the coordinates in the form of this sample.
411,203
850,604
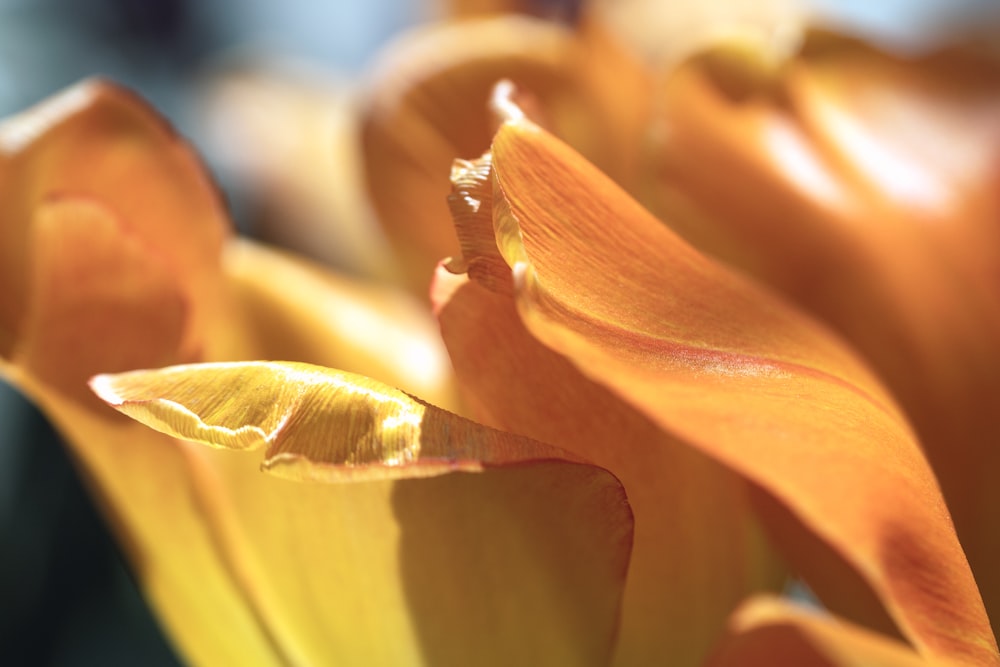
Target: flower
654,413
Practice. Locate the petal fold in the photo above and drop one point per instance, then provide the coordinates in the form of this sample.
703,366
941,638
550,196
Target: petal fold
522,562
423,111
698,548
738,374
863,187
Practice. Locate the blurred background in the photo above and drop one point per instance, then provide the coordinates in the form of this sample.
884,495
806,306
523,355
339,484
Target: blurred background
66,598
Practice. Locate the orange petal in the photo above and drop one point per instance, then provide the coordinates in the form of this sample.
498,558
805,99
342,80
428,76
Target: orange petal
287,308
522,562
99,141
99,300
765,631
885,172
425,110
698,550
739,375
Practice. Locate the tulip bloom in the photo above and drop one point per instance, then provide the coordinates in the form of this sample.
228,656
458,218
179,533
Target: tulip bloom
659,428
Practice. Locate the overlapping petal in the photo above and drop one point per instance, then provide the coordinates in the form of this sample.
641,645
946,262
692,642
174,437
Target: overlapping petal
264,117
864,187
698,549
101,293
424,111
99,141
520,563
739,375
91,280
286,307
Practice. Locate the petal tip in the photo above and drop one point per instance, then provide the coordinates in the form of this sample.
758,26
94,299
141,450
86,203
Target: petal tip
103,386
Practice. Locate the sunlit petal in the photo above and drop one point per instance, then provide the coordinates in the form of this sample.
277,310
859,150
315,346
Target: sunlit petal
741,376
698,550
522,562
288,307
864,187
150,492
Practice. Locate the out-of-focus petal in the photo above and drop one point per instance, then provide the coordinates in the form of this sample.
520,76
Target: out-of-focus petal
289,132
864,187
738,374
698,550
99,141
89,280
765,631
520,563
551,9
288,308
664,32
425,105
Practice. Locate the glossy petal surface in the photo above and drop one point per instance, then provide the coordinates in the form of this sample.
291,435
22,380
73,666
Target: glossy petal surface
765,628
522,562
697,548
864,187
741,376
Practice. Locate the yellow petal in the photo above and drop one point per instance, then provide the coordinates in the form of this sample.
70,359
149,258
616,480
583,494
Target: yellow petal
426,109
744,378
698,550
90,281
262,117
765,631
520,563
99,141
150,496
884,172
287,308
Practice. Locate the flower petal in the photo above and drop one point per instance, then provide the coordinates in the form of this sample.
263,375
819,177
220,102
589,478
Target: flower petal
522,562
423,112
263,116
288,308
92,281
739,375
765,630
884,171
150,497
99,141
698,549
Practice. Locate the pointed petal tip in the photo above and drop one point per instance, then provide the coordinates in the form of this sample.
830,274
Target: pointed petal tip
103,386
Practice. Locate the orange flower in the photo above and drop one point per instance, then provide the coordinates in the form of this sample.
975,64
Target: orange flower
659,429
